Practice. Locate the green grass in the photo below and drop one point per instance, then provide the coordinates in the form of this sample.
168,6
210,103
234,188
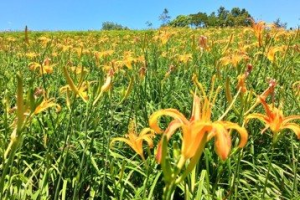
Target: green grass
67,154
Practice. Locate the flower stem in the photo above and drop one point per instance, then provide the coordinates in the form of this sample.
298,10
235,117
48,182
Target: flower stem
295,165
14,147
269,167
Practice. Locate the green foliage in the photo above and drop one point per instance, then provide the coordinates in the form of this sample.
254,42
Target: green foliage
181,21
278,23
67,154
236,17
165,17
113,26
199,20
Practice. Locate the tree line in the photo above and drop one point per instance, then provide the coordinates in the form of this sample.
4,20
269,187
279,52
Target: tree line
223,18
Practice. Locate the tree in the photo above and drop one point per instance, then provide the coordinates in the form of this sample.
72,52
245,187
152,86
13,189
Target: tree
238,17
222,13
222,16
113,26
230,20
149,24
199,19
212,20
235,12
165,17
279,24
181,21
235,17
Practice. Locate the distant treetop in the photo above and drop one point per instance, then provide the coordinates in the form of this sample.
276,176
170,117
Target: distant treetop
113,26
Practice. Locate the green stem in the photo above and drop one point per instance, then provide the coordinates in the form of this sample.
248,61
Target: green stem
269,167
105,159
147,178
169,189
194,160
79,174
295,166
7,165
62,154
236,174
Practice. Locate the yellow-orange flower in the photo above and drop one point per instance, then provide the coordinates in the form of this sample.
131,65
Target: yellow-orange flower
79,90
264,95
200,123
135,140
275,120
273,50
184,58
163,37
203,43
46,68
106,86
45,104
258,29
233,59
241,83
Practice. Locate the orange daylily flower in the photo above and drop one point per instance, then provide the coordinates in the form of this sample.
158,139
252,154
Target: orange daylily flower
163,37
103,54
135,140
46,68
45,104
185,58
79,90
233,59
200,123
43,39
272,51
258,29
79,70
242,79
264,95
106,86
31,55
275,120
203,43
241,83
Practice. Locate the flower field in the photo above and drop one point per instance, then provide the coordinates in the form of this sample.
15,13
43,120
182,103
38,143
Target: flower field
156,114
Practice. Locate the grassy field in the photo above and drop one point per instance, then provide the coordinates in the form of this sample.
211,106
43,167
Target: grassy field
156,114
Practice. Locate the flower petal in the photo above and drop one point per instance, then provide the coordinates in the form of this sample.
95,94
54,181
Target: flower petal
196,109
45,104
241,130
173,126
222,141
193,136
147,137
258,116
268,111
153,120
138,150
294,127
290,118
72,85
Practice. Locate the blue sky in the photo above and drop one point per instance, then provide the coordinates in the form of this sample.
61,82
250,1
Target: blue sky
89,14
